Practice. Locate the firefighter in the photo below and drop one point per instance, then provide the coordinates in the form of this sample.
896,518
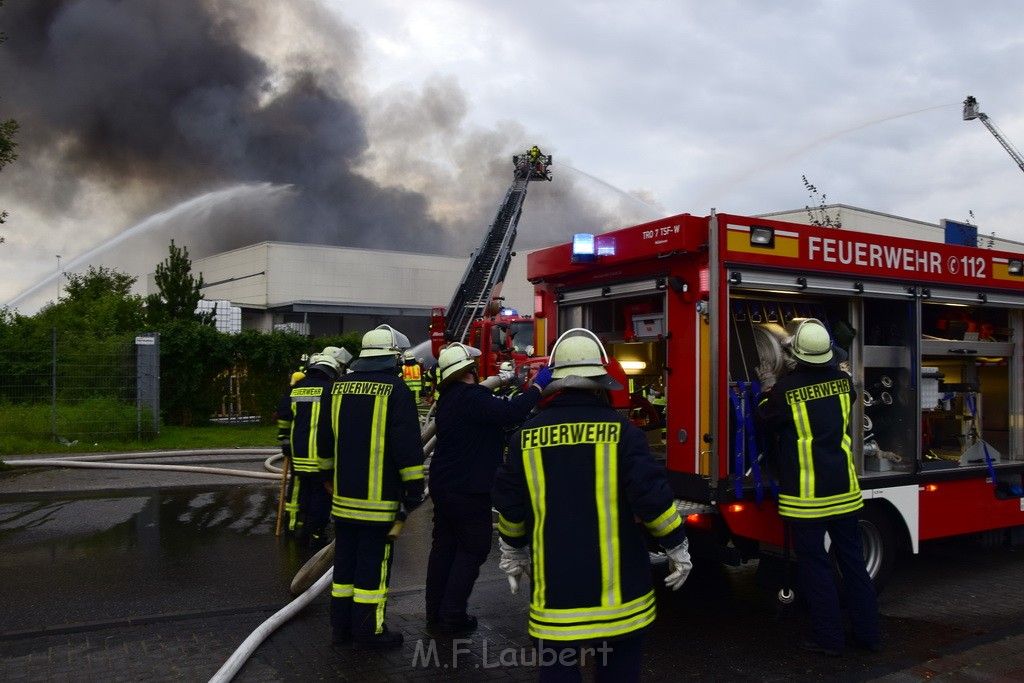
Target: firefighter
412,374
300,371
340,354
308,501
808,410
376,473
576,477
470,445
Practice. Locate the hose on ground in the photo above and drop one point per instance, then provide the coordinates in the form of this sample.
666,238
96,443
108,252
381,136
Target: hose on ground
249,645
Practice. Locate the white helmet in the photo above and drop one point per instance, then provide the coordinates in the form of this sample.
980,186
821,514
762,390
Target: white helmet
578,355
338,353
453,359
810,341
327,361
383,340
506,366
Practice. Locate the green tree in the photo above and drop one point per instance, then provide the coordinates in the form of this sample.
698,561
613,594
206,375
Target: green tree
180,293
7,144
99,303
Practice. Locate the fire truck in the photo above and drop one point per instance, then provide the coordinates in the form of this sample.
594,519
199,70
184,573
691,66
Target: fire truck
475,316
933,336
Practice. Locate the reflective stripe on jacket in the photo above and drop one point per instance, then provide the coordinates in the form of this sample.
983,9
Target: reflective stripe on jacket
377,457
576,477
808,413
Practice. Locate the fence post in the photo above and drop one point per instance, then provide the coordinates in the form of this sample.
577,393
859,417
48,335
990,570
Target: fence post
53,383
147,359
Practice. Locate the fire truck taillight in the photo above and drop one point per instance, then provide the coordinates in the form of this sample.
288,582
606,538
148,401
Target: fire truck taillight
538,305
704,281
699,521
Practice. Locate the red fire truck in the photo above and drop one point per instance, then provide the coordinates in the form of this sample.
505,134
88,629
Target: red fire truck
933,333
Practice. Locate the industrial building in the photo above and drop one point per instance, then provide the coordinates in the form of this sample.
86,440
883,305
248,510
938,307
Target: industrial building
325,290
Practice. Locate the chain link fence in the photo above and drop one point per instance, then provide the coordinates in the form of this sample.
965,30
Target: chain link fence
81,389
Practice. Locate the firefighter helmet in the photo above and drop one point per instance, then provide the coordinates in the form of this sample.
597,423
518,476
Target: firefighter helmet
410,358
383,340
338,353
579,356
325,362
809,341
453,359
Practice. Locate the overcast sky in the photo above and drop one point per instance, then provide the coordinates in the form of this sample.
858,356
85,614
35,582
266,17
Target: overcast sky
390,124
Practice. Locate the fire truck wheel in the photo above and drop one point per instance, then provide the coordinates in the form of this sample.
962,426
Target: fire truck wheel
878,536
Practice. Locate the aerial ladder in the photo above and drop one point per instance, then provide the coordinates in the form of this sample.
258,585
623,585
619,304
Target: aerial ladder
971,112
489,263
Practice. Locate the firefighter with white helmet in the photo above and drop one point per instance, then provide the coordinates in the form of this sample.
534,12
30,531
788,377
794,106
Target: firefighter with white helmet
340,354
306,439
412,374
807,411
376,474
576,477
471,424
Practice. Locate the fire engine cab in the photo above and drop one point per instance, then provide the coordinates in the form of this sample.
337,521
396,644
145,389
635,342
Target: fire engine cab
933,336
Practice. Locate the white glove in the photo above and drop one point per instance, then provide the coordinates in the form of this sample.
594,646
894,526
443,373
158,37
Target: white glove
515,562
506,376
680,564
765,376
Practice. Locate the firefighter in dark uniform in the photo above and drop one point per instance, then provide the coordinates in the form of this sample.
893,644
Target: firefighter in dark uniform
308,436
470,445
808,409
377,476
576,479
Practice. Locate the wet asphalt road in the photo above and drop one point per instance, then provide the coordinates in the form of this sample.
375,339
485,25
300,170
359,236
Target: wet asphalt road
99,554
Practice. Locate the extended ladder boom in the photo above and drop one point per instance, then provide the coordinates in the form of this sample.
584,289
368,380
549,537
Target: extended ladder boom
971,112
489,263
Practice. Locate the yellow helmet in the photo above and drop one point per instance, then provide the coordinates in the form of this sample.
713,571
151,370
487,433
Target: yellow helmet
579,356
338,353
383,340
810,341
453,359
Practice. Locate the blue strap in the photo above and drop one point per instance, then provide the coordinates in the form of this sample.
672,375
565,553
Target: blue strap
984,446
734,397
755,465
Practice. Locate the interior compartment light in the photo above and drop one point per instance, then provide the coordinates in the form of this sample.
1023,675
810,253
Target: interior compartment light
931,488
762,236
633,365
736,507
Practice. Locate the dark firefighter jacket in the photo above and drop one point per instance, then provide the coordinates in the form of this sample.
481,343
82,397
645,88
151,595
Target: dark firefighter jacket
575,477
470,435
808,413
301,410
377,460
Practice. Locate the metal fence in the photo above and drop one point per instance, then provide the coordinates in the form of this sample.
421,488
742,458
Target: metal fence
81,388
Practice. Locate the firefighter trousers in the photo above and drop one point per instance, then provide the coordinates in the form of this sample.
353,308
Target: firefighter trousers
614,661
461,541
818,581
362,571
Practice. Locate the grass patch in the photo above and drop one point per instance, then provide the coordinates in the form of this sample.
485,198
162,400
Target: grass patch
170,438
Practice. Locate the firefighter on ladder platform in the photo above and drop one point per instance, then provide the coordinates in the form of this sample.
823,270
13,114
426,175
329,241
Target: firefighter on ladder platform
576,479
808,409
